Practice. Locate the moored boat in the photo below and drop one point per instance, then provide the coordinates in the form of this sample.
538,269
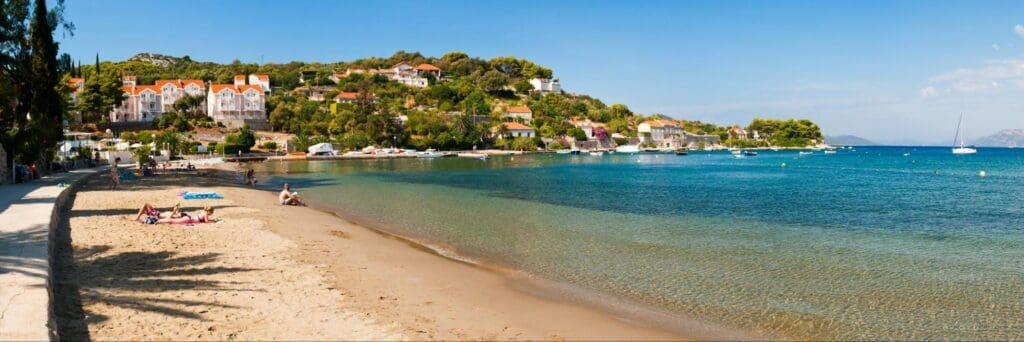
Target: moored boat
429,153
682,151
628,149
961,149
479,156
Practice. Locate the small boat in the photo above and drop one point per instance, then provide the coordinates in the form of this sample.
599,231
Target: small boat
750,153
429,153
597,153
479,156
830,151
961,149
563,151
628,149
682,151
804,153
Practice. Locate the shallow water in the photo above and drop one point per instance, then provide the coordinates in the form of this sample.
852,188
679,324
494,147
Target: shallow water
863,244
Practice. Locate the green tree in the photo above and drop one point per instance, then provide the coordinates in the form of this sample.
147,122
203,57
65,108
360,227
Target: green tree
100,95
475,104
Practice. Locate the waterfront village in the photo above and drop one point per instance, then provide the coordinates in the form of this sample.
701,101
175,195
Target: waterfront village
159,107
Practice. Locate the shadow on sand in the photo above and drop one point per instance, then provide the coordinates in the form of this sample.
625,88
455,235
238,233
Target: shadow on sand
92,273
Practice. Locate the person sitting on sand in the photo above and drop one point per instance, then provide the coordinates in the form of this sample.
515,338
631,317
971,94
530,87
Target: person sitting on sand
287,197
152,214
205,217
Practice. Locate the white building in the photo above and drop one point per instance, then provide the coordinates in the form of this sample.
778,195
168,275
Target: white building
173,90
588,127
77,85
545,85
515,130
145,103
662,133
140,104
236,102
262,80
518,112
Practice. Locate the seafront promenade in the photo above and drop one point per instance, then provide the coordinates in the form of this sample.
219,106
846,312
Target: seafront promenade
26,211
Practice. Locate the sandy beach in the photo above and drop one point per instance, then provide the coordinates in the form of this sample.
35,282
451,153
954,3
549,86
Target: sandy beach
293,273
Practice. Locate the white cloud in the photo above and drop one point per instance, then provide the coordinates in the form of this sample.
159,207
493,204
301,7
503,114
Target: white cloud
928,91
991,75
1019,30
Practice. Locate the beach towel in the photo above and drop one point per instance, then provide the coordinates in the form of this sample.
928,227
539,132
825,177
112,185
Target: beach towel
200,195
127,175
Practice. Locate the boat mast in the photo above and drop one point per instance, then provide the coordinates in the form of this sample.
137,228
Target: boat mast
957,136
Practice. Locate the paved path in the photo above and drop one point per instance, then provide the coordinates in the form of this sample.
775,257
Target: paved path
25,212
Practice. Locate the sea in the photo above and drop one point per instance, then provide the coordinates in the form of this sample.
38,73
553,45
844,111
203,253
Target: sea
880,243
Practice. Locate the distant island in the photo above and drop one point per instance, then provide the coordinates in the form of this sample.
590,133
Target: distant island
848,140
1003,138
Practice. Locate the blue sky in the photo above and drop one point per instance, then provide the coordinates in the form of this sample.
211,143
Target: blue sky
893,71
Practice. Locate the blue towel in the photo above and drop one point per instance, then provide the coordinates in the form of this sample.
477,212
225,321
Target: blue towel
201,195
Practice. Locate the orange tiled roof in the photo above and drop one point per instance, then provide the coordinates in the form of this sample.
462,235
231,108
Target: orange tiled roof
661,123
427,67
515,126
399,63
263,77
76,80
347,95
239,77
245,87
136,90
199,83
216,88
518,109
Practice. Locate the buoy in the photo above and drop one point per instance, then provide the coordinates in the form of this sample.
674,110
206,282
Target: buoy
513,158
783,164
981,174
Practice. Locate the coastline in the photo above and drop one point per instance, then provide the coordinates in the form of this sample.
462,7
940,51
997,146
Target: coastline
382,287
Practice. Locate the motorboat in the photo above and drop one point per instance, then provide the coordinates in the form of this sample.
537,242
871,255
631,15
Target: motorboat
429,153
628,148
479,156
597,153
563,151
682,151
750,153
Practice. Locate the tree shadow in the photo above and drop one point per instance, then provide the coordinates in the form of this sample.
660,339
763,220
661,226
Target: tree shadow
131,280
15,256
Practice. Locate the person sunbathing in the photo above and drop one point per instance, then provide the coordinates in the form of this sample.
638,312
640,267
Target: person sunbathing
205,217
148,210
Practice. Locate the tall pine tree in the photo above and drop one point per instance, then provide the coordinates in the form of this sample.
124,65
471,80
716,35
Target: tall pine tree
47,107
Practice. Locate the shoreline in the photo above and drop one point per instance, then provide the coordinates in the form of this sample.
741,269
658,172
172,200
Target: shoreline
383,283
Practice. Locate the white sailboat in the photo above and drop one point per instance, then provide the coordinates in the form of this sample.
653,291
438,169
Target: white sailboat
960,137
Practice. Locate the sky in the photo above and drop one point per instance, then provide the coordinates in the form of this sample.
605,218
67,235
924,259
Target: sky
891,71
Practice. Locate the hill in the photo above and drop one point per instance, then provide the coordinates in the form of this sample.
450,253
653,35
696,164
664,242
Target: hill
848,140
1003,138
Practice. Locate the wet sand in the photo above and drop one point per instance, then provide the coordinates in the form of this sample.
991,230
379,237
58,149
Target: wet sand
273,272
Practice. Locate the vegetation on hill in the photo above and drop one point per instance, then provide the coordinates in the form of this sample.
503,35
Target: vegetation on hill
459,110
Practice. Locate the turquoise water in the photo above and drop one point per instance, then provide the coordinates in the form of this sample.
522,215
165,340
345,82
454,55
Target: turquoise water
863,244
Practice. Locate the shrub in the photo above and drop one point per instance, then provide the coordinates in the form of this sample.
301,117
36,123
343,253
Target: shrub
554,145
270,146
229,149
